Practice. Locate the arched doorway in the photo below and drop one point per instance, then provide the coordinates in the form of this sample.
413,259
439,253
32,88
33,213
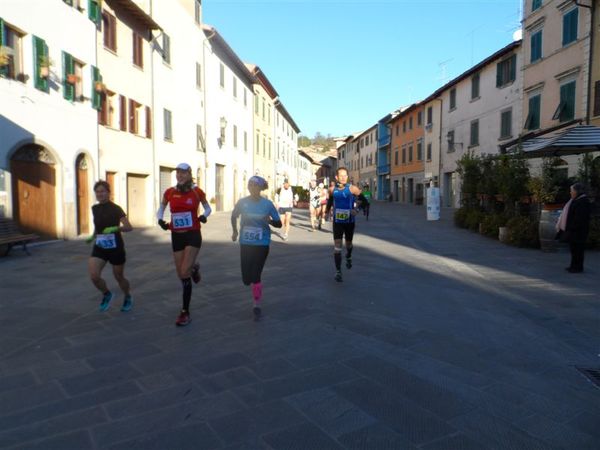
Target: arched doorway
33,171
83,206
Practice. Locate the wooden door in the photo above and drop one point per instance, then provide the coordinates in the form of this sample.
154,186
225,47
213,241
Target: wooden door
83,206
34,196
136,199
110,179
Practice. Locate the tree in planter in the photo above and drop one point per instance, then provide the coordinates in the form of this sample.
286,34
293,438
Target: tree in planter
512,175
488,186
45,62
469,169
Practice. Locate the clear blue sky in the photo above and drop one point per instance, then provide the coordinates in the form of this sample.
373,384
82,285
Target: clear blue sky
339,66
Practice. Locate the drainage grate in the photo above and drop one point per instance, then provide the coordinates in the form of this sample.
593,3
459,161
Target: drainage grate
592,375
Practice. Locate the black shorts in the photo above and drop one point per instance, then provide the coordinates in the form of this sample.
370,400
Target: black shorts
180,241
115,256
343,229
285,210
253,258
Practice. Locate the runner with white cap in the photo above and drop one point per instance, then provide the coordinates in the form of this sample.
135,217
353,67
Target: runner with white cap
186,238
257,213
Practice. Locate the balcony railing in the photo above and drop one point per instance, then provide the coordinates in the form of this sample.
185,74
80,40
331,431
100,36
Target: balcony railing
383,169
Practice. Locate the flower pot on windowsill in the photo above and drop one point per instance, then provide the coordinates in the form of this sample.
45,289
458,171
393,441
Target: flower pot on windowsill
72,78
44,71
99,87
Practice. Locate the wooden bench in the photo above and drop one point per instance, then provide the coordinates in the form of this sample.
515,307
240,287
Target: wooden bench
10,235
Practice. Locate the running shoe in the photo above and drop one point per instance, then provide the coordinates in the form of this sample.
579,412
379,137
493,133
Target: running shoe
196,273
127,303
183,319
319,225
338,276
105,303
285,237
257,313
349,263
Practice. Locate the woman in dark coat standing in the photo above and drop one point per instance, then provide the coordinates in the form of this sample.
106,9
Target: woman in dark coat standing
577,226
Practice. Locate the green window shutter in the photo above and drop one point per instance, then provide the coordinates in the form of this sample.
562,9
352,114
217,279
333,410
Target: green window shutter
499,74
570,20
40,50
567,95
513,67
3,69
534,113
94,11
96,96
68,68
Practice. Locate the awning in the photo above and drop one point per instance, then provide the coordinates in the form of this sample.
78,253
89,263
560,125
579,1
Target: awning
573,141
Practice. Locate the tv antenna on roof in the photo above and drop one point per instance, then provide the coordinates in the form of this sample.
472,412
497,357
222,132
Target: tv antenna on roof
443,74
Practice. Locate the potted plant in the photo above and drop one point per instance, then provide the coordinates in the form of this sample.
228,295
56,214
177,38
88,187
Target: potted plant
72,78
45,63
4,56
99,86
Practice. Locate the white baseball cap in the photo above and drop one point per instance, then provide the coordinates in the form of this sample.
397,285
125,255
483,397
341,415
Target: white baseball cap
183,166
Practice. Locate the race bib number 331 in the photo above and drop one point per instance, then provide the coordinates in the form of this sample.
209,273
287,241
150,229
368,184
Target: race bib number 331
181,220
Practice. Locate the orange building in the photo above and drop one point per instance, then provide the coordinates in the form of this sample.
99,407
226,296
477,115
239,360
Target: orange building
406,174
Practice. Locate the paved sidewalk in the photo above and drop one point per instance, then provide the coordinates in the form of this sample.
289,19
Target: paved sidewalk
438,338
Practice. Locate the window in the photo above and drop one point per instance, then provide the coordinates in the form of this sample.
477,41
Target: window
263,108
420,151
475,86
200,145
566,107
410,153
536,46
109,29
429,115
450,139
533,116
597,98
94,10
474,133
198,11
168,125
245,141
148,122
138,50
452,99
198,75
234,87
397,127
429,152
222,75
264,146
506,124
420,118
404,126
122,113
506,71
535,4
396,157
410,123
257,142
68,81
11,40
106,115
245,97
256,105
97,88
570,26
403,155
134,116
40,57
166,48
269,148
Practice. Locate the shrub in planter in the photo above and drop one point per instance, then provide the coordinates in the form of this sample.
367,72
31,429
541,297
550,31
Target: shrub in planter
593,240
491,223
523,232
474,217
460,217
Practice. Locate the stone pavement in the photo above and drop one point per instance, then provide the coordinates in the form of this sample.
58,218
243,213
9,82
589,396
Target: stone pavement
438,338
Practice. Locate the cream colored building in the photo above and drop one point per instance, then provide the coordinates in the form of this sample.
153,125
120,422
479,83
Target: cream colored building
594,103
367,163
229,122
556,52
126,127
264,153
48,116
288,163
481,109
432,140
178,107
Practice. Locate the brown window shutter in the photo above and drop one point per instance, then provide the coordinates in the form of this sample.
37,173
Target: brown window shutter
148,122
132,116
123,112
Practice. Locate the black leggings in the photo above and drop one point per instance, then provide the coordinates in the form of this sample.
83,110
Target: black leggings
253,258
